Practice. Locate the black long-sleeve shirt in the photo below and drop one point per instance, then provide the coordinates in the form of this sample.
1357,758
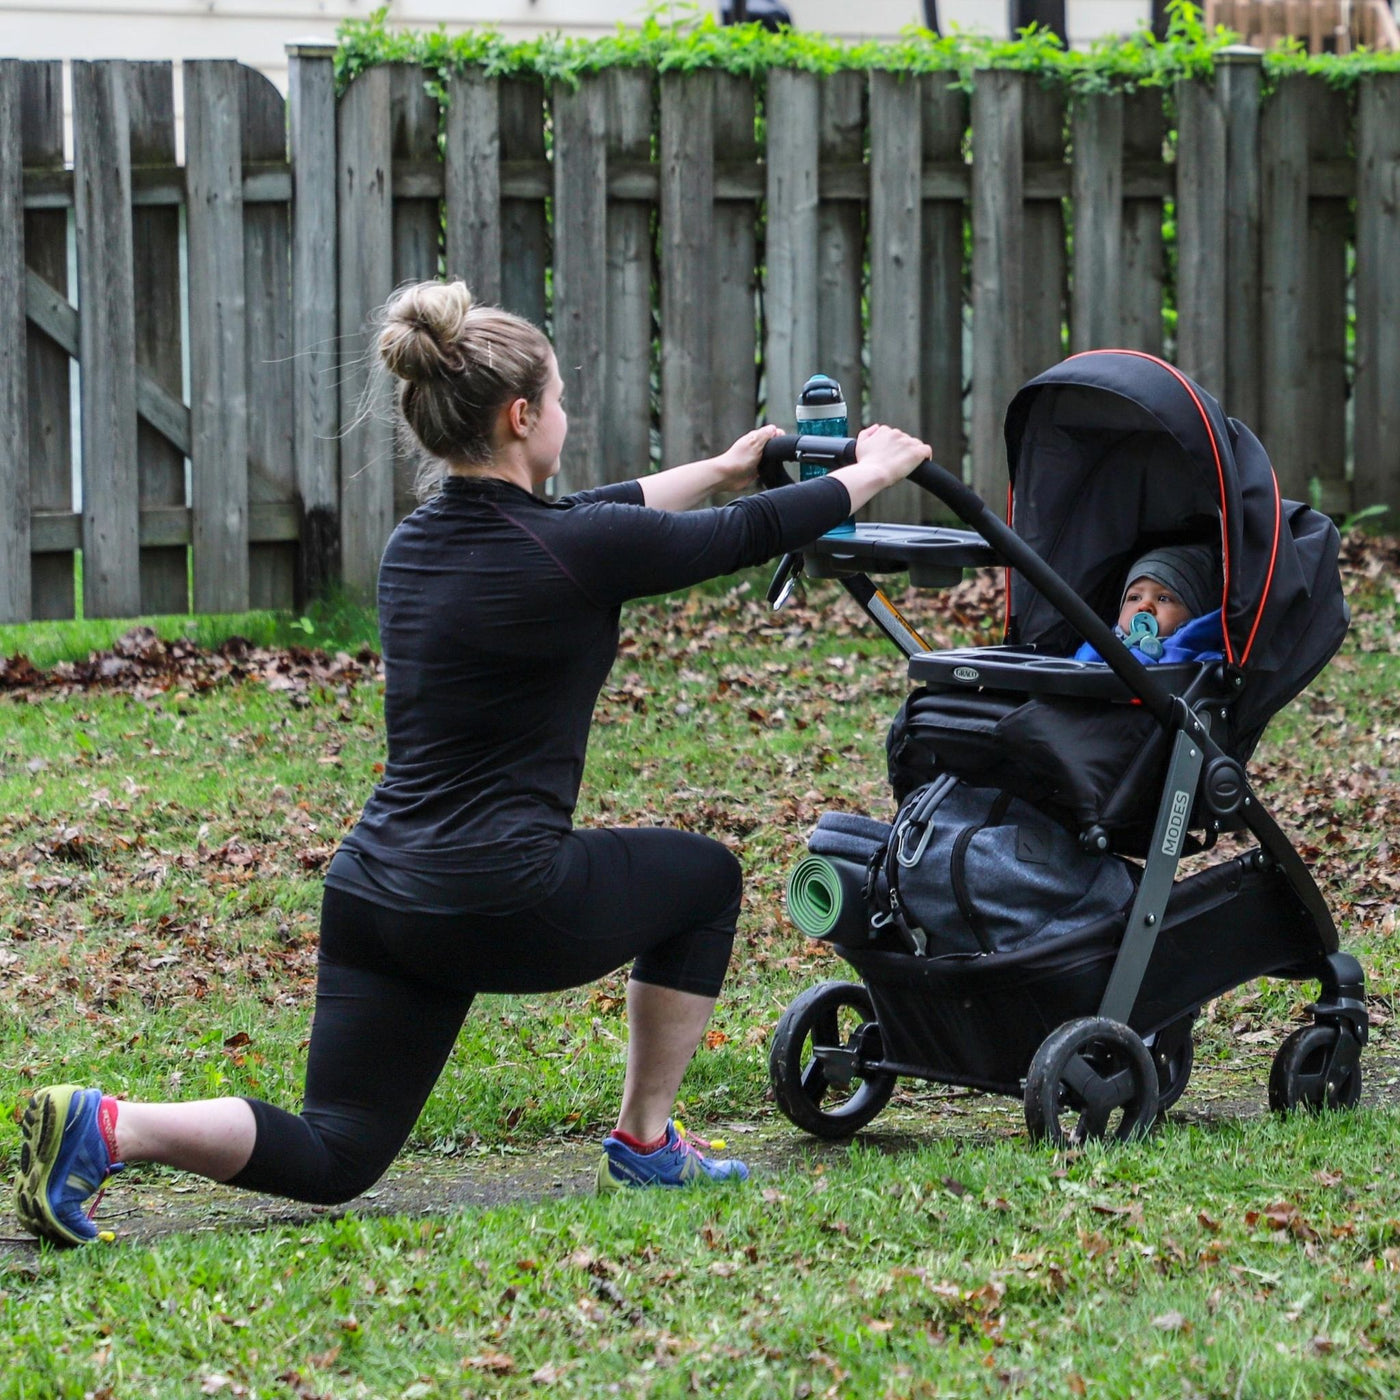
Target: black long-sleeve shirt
498,614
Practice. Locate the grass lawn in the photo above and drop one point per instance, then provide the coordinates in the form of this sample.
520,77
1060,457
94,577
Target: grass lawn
161,844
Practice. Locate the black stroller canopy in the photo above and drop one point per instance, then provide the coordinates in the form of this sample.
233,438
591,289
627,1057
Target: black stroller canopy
1113,452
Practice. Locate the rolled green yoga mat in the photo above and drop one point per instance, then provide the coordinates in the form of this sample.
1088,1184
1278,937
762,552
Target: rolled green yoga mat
826,899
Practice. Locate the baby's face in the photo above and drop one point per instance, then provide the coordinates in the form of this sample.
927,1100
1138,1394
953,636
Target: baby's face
1147,595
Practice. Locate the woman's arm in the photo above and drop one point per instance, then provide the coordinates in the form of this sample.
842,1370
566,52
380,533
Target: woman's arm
683,488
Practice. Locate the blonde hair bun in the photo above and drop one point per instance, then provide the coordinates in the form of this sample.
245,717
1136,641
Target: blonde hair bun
423,331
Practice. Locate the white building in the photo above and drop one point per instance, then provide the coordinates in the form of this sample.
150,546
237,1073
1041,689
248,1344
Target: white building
256,31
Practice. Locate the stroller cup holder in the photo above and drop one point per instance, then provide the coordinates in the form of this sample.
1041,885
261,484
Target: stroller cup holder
934,556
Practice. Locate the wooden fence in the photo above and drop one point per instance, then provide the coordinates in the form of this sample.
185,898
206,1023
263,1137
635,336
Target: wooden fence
225,458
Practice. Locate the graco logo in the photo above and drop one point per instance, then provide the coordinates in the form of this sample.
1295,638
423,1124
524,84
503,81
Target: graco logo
966,673
1176,823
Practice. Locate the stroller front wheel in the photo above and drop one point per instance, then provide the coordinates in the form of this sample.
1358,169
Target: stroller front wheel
817,1061
1092,1078
1316,1069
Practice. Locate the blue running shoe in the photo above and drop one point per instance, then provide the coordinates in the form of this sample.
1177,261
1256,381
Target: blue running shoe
63,1159
677,1162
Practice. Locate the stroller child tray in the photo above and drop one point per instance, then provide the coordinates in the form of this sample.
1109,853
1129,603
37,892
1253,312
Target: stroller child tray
934,556
1026,671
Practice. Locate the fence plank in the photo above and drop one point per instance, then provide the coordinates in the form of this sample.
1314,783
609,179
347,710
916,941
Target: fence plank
687,243
941,337
1044,263
792,296
1283,246
417,224
49,406
734,334
1096,316
267,290
155,230
580,275
1144,129
1325,319
896,265
840,342
14,373
315,389
473,183
1200,235
107,333
631,107
524,227
998,241
366,279
1239,77
1376,480
218,349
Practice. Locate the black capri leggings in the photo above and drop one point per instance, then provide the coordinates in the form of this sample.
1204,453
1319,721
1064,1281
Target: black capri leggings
393,987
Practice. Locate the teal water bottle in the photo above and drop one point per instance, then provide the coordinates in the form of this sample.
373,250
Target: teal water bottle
821,412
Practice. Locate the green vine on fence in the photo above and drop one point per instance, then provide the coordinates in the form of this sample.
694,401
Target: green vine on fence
683,37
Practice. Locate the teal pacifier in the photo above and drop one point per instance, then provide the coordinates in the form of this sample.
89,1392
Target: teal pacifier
1143,635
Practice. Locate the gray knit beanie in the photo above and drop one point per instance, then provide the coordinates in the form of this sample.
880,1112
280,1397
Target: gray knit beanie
1191,571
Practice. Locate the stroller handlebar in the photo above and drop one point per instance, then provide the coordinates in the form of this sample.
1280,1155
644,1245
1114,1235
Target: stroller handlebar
788,447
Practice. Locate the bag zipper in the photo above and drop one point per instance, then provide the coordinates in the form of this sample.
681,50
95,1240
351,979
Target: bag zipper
957,869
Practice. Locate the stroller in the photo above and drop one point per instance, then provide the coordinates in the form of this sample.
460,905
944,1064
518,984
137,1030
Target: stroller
1110,453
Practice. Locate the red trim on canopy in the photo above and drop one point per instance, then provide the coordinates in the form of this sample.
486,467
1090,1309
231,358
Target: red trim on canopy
1224,522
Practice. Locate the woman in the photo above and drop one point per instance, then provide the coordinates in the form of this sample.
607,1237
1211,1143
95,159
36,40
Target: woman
499,617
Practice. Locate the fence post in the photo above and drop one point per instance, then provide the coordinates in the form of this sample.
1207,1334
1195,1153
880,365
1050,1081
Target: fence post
941,326
631,260
14,417
997,238
687,264
1200,236
1239,76
472,171
364,210
1096,318
218,362
896,265
107,339
791,295
1285,272
160,357
1376,479
580,275
316,444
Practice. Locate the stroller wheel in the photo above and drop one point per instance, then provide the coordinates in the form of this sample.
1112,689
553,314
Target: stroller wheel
1314,1069
817,1059
1091,1078
1174,1053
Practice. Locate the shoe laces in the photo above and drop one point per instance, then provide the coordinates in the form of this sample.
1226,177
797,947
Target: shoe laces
696,1143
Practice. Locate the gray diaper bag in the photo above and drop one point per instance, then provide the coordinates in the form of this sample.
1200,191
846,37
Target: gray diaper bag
976,870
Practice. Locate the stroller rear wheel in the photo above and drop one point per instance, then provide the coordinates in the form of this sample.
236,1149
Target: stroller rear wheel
817,1058
1174,1053
1316,1067
1091,1078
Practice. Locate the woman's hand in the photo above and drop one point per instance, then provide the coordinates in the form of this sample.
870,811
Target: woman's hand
738,467
891,450
684,487
884,455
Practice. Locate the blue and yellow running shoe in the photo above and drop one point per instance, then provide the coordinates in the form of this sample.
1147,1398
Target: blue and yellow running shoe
677,1162
63,1159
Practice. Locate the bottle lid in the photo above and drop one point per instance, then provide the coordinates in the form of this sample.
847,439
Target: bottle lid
820,389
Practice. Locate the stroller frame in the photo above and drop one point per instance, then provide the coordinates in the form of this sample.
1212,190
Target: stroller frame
1131,985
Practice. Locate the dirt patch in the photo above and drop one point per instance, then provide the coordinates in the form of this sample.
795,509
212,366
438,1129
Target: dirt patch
143,1207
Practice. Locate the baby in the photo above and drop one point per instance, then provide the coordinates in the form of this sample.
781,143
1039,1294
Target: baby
1170,608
